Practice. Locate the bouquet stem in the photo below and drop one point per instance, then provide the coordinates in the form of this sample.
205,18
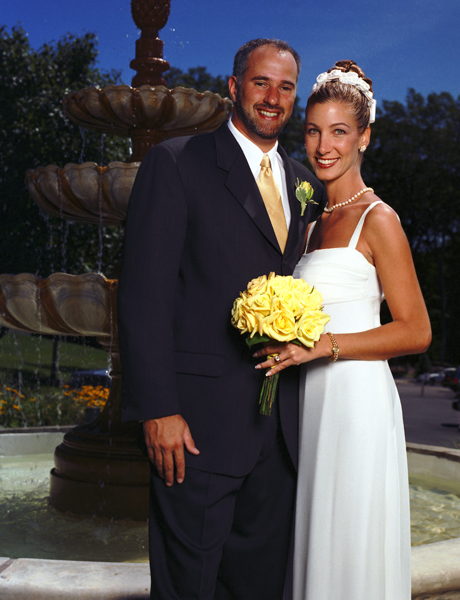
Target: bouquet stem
267,394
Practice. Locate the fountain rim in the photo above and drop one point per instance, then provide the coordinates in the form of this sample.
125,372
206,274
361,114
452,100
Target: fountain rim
435,567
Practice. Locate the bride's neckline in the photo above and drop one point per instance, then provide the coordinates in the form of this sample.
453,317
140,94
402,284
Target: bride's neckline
305,254
354,239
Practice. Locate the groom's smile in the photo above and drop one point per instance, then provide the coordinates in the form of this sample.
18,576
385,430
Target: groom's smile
264,98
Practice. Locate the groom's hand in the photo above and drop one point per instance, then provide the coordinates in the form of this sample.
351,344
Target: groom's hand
165,439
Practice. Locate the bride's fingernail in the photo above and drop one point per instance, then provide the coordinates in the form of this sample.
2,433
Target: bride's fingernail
257,367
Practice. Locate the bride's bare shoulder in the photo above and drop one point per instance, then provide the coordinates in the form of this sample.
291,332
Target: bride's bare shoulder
382,216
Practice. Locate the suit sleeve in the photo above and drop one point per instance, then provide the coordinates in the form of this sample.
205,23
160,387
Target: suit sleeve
154,239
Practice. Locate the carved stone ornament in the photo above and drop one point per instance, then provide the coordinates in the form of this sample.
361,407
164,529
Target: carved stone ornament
86,193
148,111
61,304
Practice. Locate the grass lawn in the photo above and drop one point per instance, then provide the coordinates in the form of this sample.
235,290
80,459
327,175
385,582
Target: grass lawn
33,356
28,395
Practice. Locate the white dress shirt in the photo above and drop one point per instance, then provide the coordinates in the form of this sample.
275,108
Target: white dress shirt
254,157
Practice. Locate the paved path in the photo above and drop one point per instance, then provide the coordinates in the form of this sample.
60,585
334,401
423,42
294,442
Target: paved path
429,419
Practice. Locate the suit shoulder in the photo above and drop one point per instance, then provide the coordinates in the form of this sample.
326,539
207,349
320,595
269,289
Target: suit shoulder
187,143
301,170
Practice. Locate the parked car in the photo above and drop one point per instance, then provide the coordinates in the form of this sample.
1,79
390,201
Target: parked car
451,378
456,381
437,377
91,377
426,378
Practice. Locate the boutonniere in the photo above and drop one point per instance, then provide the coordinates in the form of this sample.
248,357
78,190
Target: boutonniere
304,193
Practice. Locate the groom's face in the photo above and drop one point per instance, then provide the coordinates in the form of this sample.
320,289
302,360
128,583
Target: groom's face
265,97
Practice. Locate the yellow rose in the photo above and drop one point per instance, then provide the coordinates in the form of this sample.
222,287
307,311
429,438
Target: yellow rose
289,300
257,286
312,301
259,304
301,286
279,325
310,326
304,193
279,284
248,322
237,310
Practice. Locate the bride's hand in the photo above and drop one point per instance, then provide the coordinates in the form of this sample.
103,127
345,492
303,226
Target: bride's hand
291,354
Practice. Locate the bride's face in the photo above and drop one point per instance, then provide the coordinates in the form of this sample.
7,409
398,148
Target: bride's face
332,140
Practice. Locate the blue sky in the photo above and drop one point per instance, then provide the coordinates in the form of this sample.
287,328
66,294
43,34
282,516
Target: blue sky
398,43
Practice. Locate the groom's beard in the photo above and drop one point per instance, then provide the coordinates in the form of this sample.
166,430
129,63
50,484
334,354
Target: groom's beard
265,130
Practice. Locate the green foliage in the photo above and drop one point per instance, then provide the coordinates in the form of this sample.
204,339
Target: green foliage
34,131
48,406
413,164
199,79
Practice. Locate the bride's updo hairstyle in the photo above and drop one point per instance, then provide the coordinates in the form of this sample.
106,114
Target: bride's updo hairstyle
346,83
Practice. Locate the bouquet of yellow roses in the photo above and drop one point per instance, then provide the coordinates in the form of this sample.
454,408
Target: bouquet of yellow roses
278,308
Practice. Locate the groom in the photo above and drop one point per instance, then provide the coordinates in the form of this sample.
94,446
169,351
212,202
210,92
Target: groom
198,230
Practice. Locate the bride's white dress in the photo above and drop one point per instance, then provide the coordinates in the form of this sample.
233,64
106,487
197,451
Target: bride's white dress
352,535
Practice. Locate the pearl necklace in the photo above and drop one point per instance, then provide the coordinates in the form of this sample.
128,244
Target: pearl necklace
367,189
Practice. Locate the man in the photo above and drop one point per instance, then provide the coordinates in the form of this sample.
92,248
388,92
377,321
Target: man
198,230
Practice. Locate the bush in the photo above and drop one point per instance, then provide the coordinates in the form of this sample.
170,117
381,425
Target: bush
48,406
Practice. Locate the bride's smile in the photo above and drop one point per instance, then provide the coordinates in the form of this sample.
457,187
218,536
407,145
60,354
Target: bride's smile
332,141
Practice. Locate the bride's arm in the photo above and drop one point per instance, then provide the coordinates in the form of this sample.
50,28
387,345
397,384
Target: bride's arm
384,243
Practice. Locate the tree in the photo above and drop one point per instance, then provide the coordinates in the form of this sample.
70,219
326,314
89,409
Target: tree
34,131
412,163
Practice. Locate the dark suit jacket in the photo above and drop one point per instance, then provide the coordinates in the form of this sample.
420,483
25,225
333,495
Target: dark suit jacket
197,232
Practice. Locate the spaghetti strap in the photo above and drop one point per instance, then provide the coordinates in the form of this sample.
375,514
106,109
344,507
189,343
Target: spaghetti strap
357,232
309,235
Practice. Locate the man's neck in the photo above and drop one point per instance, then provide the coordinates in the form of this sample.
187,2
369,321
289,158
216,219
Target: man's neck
264,145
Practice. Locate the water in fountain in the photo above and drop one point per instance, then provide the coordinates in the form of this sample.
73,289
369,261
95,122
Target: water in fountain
30,526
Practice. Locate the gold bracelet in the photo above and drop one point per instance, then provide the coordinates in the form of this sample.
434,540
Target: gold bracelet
335,347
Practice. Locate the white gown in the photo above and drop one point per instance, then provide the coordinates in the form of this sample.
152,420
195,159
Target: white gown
352,535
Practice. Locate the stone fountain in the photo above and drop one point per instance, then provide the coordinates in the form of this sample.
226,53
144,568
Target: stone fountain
98,469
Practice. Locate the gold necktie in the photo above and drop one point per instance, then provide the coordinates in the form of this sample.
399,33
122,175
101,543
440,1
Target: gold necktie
272,200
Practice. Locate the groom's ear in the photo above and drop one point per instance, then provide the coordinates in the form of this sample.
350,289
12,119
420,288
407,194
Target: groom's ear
233,87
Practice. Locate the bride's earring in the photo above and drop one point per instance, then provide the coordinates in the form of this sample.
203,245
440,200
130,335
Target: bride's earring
363,148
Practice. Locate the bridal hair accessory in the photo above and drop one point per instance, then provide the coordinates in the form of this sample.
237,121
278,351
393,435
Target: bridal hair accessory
329,210
363,148
350,78
335,347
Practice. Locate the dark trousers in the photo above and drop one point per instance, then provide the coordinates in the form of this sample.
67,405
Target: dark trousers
216,537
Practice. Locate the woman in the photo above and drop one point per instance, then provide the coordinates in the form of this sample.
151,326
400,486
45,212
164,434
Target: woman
352,516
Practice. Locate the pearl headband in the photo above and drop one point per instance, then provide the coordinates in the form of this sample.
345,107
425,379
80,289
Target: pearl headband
350,78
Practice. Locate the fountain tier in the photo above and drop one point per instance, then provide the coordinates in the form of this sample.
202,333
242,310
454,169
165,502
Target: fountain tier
147,114
87,193
98,468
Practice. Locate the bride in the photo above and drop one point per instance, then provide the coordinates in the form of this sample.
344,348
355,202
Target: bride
352,535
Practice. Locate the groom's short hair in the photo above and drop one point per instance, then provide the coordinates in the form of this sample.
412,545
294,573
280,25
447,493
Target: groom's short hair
240,64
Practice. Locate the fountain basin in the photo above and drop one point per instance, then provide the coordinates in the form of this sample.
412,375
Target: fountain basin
435,567
33,579
61,304
121,110
98,468
86,192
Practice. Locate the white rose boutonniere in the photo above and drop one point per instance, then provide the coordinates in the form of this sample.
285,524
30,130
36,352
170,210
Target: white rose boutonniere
304,193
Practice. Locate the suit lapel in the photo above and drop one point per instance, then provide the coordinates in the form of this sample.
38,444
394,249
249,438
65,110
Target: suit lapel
240,181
